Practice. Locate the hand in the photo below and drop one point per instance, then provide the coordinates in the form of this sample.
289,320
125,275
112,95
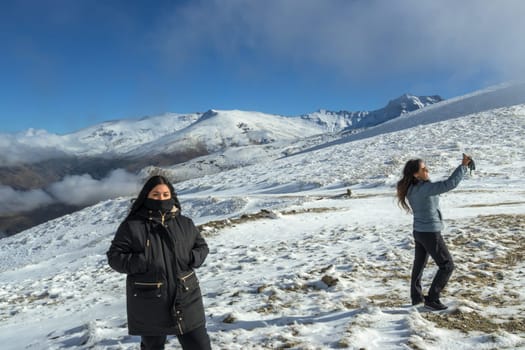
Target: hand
466,160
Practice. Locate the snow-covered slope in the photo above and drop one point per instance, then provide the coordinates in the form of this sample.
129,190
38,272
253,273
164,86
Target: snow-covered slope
503,95
315,269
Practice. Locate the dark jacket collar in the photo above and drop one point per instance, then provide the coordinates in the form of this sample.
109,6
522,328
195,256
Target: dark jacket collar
158,216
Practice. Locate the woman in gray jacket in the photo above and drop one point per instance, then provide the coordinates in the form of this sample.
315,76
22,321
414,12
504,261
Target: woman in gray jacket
423,202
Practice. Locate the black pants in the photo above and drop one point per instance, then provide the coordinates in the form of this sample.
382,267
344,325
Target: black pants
430,243
152,342
197,339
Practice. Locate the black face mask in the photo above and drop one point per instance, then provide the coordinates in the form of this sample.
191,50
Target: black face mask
159,205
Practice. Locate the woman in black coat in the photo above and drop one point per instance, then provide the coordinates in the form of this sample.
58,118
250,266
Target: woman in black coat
158,249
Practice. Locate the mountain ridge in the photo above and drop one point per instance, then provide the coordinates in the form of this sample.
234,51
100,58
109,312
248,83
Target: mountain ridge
125,136
498,96
195,145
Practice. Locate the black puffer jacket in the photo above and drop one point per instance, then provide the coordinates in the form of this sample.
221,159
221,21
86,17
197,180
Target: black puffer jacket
159,253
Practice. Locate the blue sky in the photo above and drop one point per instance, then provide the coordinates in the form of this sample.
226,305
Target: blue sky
69,64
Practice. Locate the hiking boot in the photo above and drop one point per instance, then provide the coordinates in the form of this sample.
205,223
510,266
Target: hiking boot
434,305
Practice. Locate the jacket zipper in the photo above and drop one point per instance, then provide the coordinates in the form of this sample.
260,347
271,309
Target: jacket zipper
158,284
183,278
180,327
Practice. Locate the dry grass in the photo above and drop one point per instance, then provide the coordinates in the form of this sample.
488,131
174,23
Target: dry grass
473,321
486,250
213,227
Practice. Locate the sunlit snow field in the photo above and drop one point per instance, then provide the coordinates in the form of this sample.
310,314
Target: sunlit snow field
306,267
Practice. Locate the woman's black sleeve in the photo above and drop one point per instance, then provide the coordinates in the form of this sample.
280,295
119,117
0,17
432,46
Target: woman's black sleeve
120,255
200,248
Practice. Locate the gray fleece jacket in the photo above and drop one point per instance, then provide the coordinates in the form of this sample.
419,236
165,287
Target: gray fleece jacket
423,198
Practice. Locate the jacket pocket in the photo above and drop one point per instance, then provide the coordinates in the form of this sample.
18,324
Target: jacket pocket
188,281
147,290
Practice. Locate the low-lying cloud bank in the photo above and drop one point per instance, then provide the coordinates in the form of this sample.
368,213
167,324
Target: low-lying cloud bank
79,190
17,201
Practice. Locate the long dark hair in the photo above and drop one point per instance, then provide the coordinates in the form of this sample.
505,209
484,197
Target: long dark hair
411,167
146,189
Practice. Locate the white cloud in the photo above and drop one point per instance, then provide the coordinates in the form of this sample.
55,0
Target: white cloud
18,201
29,146
356,38
84,190
77,190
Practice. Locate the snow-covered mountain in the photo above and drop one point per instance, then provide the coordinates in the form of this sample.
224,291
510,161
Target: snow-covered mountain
296,263
349,121
217,131
106,139
213,130
227,137
123,136
508,94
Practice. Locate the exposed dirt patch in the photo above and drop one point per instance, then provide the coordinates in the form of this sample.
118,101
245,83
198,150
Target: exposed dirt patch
213,227
473,321
386,300
488,253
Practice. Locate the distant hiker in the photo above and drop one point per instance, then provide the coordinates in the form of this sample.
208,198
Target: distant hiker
423,202
158,248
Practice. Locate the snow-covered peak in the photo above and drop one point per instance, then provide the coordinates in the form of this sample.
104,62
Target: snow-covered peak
408,103
344,120
503,95
208,114
219,129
